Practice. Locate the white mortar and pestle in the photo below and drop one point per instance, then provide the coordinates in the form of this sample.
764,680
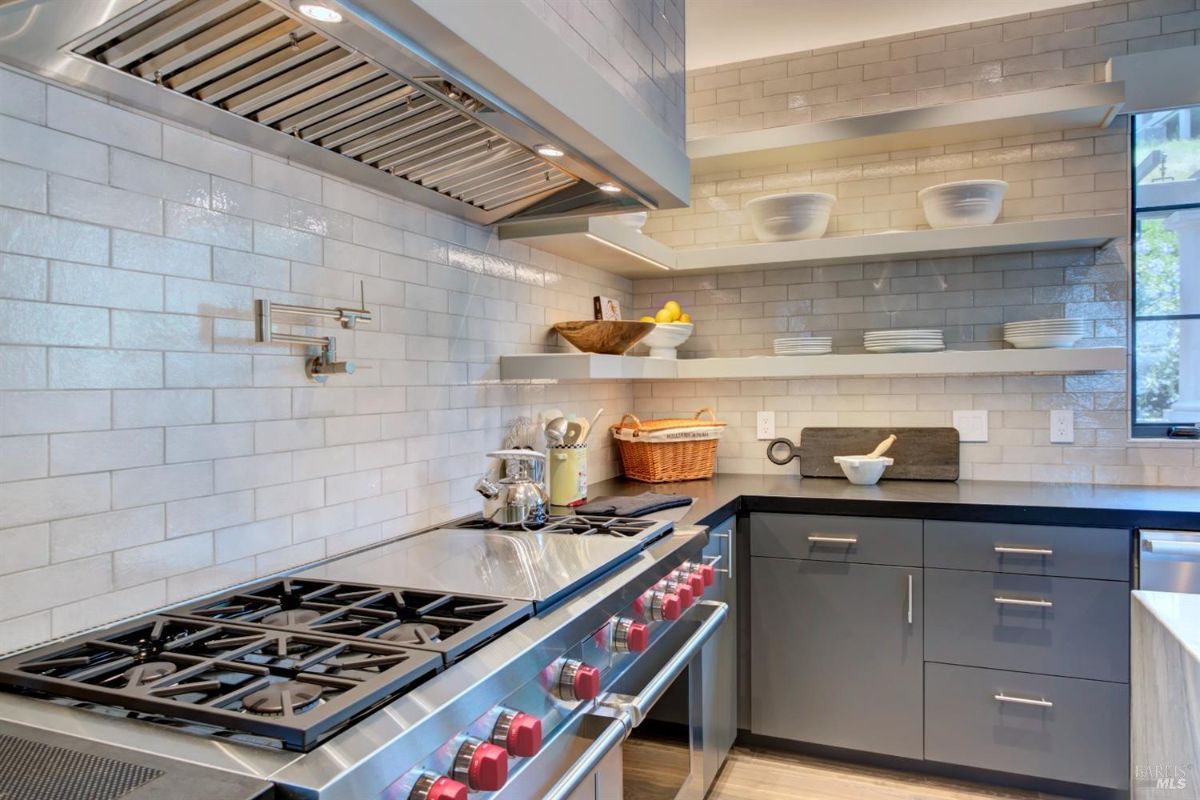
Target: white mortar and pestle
866,470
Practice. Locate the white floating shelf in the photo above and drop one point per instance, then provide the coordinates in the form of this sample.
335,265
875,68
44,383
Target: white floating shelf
1063,108
1050,234
585,366
600,242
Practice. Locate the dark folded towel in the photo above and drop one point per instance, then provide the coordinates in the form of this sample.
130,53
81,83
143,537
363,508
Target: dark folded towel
634,505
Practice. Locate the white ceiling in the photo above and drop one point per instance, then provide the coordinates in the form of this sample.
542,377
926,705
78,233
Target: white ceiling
724,31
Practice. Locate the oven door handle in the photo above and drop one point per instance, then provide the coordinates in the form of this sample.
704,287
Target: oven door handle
583,767
636,708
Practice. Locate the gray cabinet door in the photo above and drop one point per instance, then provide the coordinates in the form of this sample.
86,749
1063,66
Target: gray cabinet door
719,670
835,658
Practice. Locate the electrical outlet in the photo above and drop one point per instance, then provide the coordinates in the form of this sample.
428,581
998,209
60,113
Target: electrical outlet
766,425
1062,427
972,425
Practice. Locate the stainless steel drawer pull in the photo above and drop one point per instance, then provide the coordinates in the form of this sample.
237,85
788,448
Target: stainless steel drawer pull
713,561
910,601
728,537
1023,701
822,539
1014,550
1038,602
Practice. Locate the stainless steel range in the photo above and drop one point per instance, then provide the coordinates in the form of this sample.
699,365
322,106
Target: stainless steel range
505,664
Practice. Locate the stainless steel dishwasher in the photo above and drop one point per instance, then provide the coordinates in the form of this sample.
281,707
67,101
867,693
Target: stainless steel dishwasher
1169,561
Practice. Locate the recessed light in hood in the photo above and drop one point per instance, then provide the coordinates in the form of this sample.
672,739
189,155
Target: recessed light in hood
319,13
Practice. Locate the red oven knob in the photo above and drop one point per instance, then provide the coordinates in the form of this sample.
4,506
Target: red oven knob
578,681
437,787
693,579
658,605
706,572
518,733
629,636
481,765
681,590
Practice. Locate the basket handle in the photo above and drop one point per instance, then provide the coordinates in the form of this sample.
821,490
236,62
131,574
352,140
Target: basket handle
710,413
637,423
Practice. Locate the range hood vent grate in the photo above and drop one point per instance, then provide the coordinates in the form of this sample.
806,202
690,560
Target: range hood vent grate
250,59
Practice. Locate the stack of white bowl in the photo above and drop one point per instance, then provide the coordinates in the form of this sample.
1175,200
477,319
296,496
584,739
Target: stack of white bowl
1044,333
911,341
804,346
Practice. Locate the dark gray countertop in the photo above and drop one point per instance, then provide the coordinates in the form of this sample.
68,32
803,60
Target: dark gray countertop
992,501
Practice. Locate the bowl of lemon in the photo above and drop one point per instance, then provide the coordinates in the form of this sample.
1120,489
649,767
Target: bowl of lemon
672,327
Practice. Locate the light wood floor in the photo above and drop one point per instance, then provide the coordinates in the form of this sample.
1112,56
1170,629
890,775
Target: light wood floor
769,775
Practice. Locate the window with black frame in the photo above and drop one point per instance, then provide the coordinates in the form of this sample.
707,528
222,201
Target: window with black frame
1165,383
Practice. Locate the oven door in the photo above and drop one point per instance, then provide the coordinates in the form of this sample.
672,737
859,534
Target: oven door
661,765
584,759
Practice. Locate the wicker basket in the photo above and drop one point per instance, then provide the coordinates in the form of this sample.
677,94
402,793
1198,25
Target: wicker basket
663,450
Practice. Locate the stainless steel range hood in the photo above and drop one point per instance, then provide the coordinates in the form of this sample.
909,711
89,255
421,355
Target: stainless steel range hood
354,97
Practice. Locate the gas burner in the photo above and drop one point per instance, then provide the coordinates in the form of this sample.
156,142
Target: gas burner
282,699
450,624
292,686
647,530
147,672
414,633
295,617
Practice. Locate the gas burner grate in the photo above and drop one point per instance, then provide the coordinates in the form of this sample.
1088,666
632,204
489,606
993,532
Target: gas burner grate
584,525
450,624
292,686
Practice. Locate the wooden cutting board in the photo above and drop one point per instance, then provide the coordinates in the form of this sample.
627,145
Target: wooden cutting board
921,454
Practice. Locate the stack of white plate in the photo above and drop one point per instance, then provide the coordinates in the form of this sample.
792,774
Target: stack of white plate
914,341
1044,333
804,346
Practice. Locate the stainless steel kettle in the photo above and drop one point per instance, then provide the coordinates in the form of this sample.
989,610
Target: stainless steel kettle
519,498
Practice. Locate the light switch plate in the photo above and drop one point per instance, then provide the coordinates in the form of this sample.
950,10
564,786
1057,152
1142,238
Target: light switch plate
972,425
765,425
1062,427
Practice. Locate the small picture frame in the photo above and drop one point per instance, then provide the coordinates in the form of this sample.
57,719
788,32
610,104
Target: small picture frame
606,307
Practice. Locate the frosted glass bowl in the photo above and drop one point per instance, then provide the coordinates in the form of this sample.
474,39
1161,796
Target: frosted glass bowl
962,203
793,215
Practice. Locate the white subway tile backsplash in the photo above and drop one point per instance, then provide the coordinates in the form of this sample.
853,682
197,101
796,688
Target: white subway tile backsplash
37,146
140,330
53,412
107,607
23,457
204,442
209,513
139,487
243,200
191,370
24,233
247,540
205,154
74,113
25,548
102,451
22,367
137,251
22,187
81,537
153,562
277,176
288,498
110,369
47,323
22,277
207,227
250,472
27,502
24,592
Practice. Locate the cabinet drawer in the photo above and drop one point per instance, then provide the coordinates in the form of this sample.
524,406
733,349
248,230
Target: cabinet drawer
861,540
1029,549
1055,626
1082,736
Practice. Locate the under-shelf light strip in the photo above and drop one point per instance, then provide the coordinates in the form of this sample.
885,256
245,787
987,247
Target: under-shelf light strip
626,251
